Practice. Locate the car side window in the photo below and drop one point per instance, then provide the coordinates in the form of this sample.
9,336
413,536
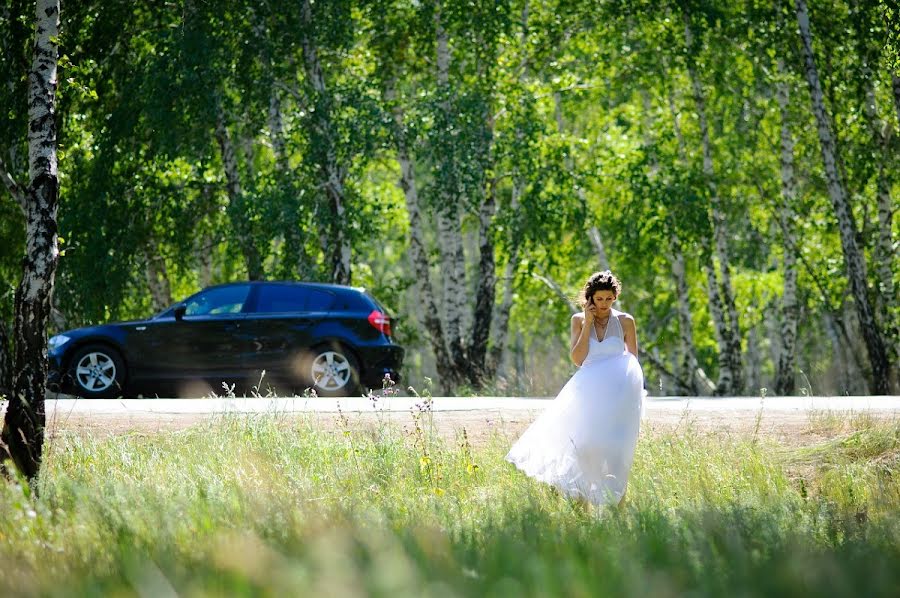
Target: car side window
317,300
218,301
276,299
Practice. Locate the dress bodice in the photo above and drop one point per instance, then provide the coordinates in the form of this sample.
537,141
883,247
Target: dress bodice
613,342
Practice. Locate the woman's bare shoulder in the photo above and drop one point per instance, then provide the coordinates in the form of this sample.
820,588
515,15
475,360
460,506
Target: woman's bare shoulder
577,316
624,316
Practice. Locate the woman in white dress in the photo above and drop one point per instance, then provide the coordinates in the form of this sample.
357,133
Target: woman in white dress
583,443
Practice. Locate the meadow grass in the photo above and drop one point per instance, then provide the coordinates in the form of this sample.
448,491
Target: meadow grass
268,505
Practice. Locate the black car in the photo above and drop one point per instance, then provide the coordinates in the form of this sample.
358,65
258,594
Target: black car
334,339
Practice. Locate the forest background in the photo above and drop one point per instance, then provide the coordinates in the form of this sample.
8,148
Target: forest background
471,162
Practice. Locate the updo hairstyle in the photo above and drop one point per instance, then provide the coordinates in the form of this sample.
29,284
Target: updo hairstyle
600,281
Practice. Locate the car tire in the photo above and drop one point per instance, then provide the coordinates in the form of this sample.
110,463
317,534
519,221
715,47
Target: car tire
97,372
334,371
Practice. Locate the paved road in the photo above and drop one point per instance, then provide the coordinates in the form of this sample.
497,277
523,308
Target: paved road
725,405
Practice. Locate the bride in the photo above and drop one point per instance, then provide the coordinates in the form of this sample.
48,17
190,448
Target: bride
583,443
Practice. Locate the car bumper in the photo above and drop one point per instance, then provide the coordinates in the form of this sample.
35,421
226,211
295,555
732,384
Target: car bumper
380,362
54,370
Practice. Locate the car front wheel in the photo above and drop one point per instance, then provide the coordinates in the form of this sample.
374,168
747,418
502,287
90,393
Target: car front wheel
97,372
334,372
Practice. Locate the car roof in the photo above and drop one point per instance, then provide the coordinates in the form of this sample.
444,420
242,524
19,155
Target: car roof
312,285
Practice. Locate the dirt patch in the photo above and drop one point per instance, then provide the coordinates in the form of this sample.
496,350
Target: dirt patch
790,429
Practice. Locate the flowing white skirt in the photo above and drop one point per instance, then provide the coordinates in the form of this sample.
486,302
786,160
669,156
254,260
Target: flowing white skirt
583,443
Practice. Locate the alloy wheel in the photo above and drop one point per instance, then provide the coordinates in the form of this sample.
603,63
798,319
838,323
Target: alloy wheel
96,372
331,371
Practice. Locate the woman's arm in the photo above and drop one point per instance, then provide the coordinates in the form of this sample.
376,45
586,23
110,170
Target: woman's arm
580,339
630,330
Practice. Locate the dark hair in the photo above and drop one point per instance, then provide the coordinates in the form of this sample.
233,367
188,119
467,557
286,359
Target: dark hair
600,281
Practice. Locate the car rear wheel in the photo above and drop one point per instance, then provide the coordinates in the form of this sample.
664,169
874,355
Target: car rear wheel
97,372
334,371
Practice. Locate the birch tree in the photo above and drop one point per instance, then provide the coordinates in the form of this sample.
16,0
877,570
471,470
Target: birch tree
449,189
5,362
854,260
696,379
719,283
332,172
790,309
236,199
883,154
23,427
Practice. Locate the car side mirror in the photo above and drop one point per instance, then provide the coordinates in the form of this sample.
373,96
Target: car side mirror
180,311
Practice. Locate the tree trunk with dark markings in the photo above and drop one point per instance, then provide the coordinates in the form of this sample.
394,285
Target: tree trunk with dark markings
23,427
854,259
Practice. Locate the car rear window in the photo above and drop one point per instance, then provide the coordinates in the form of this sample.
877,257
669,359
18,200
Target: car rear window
287,298
378,304
352,300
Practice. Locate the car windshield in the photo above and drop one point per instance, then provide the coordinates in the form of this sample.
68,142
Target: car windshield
221,300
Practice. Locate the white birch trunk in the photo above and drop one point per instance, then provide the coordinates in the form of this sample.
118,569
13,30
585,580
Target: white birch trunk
252,259
597,242
293,237
486,287
790,307
204,244
448,217
6,369
881,132
843,379
731,333
676,125
884,254
687,376
725,383
204,261
754,361
157,281
276,132
294,249
22,437
501,322
696,374
229,158
853,257
895,86
333,173
690,372
417,252
453,283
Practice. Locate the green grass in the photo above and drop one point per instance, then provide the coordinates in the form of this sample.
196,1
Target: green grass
265,505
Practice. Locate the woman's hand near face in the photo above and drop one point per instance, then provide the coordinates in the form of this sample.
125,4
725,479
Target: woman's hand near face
589,311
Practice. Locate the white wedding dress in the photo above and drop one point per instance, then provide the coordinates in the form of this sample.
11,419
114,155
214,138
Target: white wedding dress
583,443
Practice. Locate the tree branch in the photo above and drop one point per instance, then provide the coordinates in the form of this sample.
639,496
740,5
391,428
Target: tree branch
16,190
559,292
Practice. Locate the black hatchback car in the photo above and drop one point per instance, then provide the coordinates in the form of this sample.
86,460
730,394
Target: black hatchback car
334,339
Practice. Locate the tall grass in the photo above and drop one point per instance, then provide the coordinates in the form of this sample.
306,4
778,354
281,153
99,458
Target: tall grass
268,505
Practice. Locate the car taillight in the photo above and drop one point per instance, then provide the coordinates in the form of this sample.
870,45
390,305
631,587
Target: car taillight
380,321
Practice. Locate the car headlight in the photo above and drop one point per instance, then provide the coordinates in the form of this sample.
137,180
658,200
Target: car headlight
57,341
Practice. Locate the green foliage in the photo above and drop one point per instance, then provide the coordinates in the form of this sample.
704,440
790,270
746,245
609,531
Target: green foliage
570,115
